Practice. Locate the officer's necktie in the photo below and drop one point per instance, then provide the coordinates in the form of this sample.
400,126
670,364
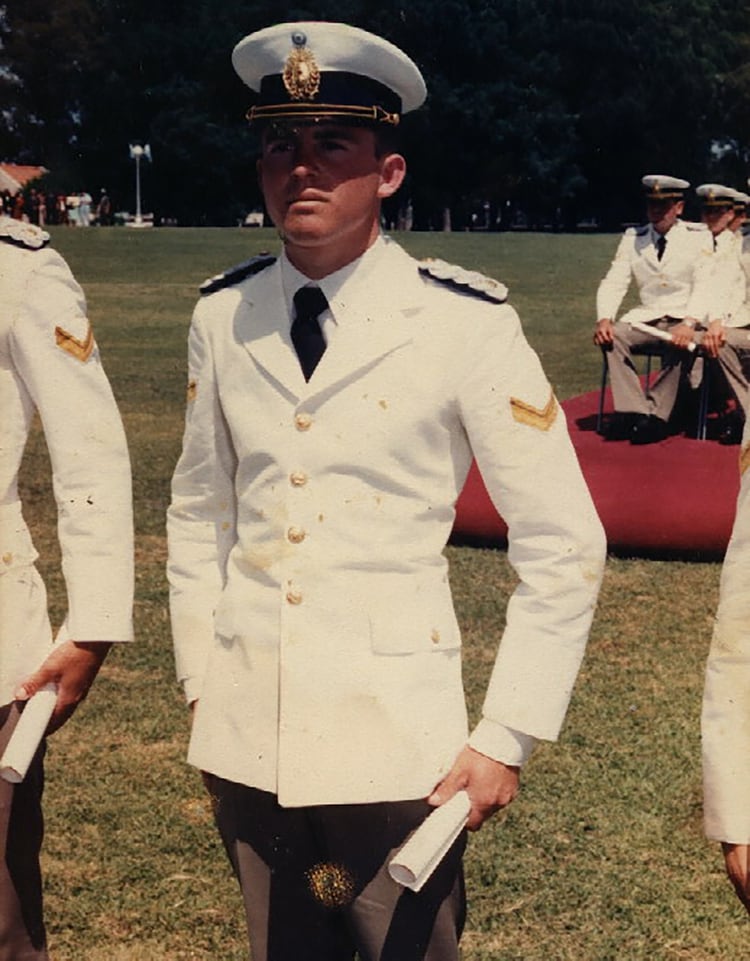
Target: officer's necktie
661,243
307,337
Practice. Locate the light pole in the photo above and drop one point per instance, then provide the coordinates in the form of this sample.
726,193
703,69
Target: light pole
136,152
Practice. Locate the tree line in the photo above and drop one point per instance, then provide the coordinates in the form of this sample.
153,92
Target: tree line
541,113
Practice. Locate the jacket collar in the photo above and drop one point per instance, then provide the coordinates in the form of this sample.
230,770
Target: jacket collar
374,308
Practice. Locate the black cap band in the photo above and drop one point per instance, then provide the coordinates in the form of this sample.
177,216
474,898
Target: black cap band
340,94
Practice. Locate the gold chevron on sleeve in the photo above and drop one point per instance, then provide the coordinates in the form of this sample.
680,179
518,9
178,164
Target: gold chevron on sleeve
80,349
541,418
744,459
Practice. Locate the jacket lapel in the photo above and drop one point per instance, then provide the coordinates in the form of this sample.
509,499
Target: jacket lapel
375,326
360,343
648,250
262,327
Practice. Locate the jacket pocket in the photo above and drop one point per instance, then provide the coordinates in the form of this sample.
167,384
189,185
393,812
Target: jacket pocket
421,620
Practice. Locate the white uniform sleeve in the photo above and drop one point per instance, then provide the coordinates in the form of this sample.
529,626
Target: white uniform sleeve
614,285
726,700
519,437
54,353
201,521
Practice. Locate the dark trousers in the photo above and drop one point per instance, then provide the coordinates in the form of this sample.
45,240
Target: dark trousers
22,936
315,884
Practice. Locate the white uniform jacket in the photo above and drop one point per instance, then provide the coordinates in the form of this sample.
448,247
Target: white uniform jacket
311,609
745,252
729,282
49,363
678,285
726,698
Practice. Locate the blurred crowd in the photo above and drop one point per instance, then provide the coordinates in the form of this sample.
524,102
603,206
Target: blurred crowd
73,209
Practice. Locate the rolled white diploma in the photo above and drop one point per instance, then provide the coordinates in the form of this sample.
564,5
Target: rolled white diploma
28,734
414,863
656,332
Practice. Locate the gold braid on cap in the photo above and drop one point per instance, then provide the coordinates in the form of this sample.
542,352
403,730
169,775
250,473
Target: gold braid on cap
313,111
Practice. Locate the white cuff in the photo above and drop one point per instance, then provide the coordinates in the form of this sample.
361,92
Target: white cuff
502,743
191,687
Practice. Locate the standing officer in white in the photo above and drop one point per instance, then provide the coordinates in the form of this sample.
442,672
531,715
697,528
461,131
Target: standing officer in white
49,364
671,263
726,702
312,617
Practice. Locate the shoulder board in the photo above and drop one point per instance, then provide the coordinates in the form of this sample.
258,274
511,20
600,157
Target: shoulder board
694,225
237,273
21,234
467,281
639,231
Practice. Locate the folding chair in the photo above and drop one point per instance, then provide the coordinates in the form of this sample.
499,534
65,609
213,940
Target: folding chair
658,350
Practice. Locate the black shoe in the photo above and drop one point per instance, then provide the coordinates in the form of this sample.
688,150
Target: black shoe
648,430
619,426
731,430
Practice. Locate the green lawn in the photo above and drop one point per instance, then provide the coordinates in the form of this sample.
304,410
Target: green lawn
600,858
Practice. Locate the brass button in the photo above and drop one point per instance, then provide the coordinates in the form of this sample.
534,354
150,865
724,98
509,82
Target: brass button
296,535
298,478
435,636
303,421
293,597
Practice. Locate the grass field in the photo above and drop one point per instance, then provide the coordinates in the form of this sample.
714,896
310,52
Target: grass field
600,858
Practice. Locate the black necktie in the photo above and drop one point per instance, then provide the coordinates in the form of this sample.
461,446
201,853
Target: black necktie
307,337
661,243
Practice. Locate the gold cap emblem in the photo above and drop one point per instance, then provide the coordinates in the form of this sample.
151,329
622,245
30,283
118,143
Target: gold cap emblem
301,74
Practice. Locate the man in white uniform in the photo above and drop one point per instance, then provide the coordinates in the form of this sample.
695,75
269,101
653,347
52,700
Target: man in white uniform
726,702
314,630
741,201
50,365
724,332
670,260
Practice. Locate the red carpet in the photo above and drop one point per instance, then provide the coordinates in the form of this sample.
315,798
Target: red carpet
676,497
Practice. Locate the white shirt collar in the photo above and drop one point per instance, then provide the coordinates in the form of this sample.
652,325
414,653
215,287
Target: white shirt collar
340,287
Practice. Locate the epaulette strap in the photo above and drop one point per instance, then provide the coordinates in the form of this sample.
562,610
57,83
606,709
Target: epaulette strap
22,234
467,281
237,273
694,225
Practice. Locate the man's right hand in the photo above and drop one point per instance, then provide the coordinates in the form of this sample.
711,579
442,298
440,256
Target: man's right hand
683,335
737,860
72,666
603,336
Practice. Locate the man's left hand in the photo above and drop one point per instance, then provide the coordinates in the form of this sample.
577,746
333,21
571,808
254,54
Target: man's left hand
491,785
72,666
737,860
714,338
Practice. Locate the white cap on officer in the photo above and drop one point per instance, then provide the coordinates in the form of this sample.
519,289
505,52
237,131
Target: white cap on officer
741,199
716,195
313,71
662,187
